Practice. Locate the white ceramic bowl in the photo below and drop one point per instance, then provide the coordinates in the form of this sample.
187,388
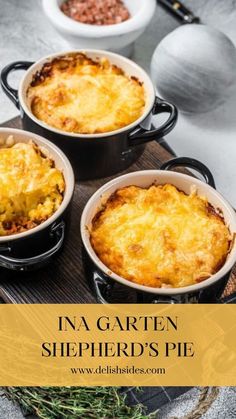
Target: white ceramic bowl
144,179
119,37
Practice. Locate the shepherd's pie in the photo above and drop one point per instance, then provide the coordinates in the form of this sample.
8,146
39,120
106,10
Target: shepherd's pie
31,188
160,237
74,93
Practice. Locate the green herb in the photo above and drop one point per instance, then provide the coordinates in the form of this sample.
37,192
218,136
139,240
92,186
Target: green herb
74,402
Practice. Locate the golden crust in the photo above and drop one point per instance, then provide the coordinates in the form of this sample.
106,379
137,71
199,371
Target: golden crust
31,188
76,94
160,237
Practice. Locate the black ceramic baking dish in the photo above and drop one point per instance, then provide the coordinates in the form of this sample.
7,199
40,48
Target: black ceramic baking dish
34,248
102,279
95,155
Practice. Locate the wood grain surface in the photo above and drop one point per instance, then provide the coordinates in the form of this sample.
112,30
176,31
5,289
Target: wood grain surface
63,281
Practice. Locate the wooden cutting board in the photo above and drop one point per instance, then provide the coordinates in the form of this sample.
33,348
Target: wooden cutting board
63,281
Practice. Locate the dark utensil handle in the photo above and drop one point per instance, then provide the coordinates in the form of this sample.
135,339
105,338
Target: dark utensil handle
25,264
10,91
142,136
179,11
187,162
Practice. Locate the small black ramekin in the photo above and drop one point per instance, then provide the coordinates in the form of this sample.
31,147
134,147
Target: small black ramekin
95,155
101,278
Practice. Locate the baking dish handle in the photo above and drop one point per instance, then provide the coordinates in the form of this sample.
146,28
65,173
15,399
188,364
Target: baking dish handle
190,163
102,288
27,264
10,91
141,135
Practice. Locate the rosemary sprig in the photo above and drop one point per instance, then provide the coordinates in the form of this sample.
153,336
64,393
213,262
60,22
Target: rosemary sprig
74,402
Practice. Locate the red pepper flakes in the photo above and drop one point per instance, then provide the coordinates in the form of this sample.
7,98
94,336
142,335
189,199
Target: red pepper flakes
96,12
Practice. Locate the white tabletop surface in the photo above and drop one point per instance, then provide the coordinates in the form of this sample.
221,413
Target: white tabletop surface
25,33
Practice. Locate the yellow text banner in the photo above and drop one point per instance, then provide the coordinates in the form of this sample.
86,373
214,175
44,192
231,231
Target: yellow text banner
114,345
